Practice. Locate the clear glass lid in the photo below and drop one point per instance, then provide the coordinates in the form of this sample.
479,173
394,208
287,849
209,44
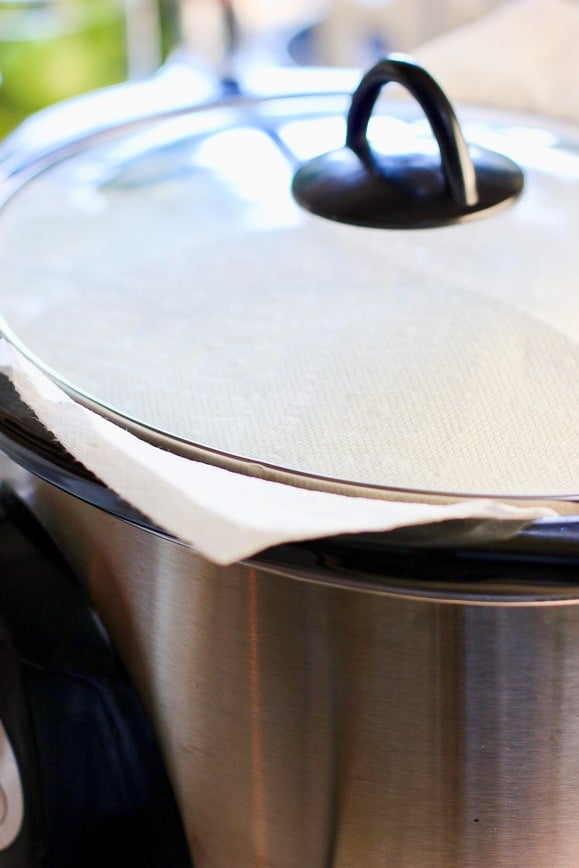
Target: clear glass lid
165,274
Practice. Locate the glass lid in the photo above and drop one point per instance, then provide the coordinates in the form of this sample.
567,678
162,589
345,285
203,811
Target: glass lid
165,274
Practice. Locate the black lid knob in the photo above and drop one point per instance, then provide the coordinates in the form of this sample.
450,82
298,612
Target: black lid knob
358,184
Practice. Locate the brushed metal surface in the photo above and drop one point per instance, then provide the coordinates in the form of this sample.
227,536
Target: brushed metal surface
309,726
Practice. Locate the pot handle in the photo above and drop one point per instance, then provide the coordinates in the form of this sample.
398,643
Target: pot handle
360,185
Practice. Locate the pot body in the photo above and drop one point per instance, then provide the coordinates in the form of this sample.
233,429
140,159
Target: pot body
306,724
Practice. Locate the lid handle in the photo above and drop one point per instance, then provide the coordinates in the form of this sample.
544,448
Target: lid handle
456,162
360,185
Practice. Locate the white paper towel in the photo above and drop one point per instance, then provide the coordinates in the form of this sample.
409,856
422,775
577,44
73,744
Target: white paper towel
523,56
225,516
385,358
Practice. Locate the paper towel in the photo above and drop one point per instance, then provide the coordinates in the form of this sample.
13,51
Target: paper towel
229,516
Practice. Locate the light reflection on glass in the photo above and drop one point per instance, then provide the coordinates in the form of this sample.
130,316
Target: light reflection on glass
389,135
532,147
110,162
254,170
312,136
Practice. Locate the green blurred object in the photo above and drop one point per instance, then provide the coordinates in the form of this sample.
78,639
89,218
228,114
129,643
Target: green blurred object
55,49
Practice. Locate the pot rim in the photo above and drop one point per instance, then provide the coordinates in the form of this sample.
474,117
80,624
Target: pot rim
545,544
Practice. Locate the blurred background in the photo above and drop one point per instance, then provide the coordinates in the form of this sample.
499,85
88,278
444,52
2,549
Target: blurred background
54,49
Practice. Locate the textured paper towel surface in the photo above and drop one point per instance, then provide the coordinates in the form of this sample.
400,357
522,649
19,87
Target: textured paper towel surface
182,285
226,516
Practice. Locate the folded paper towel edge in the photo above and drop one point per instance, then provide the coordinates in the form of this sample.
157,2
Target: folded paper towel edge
227,516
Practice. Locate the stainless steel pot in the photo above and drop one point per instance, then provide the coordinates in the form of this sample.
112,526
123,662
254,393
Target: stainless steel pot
353,701
336,705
